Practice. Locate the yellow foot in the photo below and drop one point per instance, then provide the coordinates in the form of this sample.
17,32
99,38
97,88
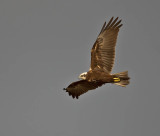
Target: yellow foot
116,79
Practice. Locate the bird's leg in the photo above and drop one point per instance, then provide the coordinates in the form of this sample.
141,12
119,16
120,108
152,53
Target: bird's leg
116,79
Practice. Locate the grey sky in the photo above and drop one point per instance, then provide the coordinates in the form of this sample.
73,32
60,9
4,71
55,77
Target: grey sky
45,45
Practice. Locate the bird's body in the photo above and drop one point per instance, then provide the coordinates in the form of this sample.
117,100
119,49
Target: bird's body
100,75
102,60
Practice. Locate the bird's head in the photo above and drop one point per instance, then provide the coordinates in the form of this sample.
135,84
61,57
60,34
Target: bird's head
83,76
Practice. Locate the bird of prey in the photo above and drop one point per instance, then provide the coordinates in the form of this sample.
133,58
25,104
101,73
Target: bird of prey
102,60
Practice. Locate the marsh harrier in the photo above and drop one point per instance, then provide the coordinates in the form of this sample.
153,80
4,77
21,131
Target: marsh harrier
102,60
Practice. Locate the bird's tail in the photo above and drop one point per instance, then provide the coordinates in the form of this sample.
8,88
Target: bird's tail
121,78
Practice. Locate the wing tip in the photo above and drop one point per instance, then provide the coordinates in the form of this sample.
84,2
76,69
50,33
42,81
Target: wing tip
74,96
71,94
113,23
119,26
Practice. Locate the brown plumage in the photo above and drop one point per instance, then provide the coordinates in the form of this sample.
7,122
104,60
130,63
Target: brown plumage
103,51
80,87
102,60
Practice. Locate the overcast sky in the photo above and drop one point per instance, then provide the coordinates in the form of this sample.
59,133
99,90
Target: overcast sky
45,45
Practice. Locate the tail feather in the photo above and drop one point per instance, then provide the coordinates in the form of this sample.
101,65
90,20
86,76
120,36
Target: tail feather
124,79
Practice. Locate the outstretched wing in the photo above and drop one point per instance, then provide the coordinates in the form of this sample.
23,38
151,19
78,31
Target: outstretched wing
80,87
103,50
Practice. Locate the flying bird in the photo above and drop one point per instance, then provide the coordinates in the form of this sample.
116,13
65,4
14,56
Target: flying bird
102,60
